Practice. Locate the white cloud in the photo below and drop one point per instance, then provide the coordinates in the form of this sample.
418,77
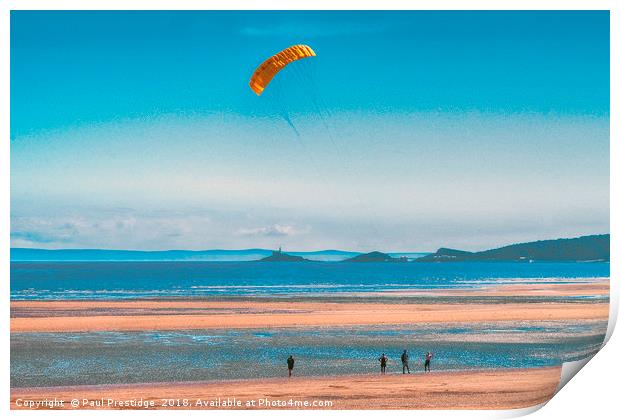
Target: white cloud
273,230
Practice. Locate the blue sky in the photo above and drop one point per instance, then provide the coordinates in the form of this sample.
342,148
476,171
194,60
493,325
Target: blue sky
467,129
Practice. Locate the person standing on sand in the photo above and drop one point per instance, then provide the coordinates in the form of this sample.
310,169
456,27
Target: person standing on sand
427,361
405,359
383,361
291,364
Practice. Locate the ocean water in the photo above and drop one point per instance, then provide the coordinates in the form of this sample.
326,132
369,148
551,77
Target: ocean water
127,280
51,359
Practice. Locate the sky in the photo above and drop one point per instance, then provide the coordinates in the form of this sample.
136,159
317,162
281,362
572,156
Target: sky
410,130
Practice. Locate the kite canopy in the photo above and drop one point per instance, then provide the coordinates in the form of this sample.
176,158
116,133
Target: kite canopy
270,67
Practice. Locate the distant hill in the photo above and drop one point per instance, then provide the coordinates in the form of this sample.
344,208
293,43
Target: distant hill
585,248
253,254
279,256
325,255
33,254
374,256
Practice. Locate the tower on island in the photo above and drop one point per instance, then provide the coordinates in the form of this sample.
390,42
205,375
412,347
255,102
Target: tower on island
279,256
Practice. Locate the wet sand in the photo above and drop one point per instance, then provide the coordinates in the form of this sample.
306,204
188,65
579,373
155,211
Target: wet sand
484,389
584,287
222,312
173,315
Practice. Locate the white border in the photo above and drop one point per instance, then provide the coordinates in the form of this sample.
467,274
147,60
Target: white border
595,394
308,5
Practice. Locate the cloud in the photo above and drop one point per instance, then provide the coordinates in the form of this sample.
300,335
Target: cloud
34,238
273,230
43,231
100,229
73,226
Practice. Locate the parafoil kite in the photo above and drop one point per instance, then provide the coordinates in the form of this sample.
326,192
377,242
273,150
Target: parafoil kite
270,67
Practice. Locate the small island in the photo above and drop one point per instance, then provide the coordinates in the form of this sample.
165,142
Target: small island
375,256
279,256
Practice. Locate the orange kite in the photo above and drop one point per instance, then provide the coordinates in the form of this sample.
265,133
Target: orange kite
270,67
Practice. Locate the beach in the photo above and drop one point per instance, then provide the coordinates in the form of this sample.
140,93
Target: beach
498,345
488,389
166,314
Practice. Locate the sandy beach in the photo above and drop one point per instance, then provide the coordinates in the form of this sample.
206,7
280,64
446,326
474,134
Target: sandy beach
488,389
477,388
72,316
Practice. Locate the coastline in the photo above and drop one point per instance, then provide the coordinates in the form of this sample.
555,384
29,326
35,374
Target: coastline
503,388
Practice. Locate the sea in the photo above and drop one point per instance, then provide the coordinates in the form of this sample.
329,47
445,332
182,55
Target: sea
174,279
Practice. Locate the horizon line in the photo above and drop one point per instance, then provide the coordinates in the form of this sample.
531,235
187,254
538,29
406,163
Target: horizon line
270,249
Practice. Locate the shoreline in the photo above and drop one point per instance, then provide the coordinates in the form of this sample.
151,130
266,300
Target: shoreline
514,287
463,389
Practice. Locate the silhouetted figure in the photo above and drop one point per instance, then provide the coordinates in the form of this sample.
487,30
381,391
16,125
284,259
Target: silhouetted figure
383,361
427,361
291,364
405,359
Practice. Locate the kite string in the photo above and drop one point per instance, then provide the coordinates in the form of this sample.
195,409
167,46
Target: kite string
322,108
281,105
319,104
